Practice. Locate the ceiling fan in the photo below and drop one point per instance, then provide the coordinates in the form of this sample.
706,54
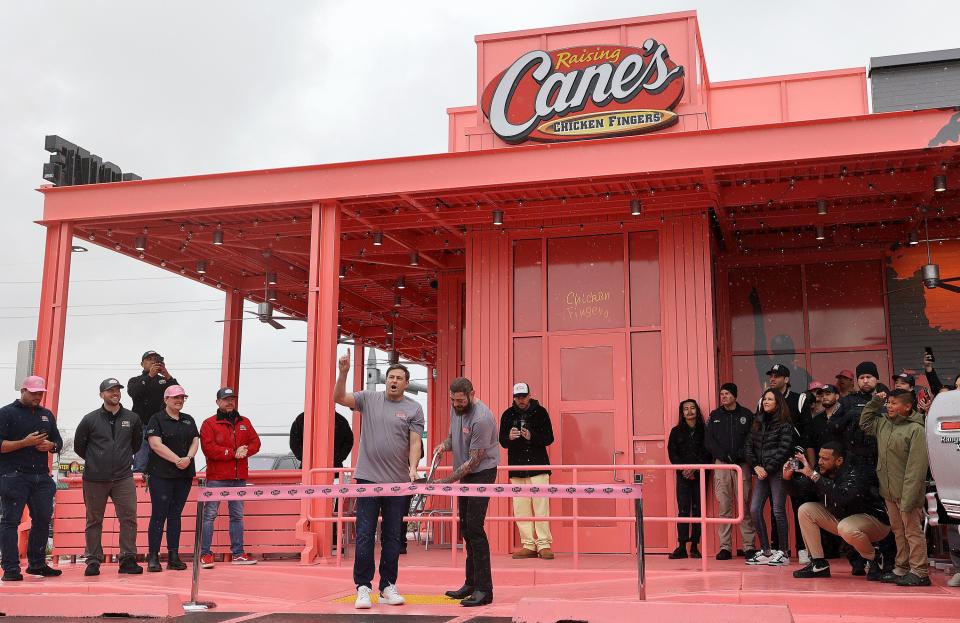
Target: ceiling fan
930,272
265,315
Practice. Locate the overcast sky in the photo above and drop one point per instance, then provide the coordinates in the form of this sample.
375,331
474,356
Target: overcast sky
178,88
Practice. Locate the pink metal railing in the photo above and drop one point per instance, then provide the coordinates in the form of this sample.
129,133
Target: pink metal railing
575,471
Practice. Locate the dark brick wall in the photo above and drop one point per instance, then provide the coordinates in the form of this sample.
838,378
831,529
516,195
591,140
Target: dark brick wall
916,87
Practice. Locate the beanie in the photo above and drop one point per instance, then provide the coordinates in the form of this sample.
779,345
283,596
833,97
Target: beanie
867,367
730,387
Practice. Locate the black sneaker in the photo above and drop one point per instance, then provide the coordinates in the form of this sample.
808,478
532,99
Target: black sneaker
694,551
858,569
12,576
129,566
724,554
45,571
680,552
93,568
874,570
818,568
750,553
912,579
889,578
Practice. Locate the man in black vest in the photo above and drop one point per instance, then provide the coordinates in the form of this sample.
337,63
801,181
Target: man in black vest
107,438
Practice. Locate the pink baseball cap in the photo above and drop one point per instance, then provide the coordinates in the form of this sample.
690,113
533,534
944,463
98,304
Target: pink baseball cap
34,384
847,374
814,386
174,390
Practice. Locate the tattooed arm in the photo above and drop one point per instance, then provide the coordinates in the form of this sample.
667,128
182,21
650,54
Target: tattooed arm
468,466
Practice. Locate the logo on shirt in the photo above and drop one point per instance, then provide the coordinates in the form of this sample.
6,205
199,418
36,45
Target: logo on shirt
242,427
163,381
400,414
44,418
743,420
466,430
124,424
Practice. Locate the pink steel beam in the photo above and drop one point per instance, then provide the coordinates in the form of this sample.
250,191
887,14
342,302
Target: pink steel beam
52,323
857,136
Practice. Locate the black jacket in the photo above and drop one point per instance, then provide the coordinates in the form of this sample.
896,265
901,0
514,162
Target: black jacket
342,439
147,394
727,433
107,443
850,492
769,444
685,446
17,420
861,447
521,451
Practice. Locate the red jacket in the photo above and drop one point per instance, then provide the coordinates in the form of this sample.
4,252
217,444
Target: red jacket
219,440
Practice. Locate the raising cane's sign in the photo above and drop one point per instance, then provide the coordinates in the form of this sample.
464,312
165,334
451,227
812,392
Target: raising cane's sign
584,92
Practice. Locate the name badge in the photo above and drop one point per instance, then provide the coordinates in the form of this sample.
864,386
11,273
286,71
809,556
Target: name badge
124,424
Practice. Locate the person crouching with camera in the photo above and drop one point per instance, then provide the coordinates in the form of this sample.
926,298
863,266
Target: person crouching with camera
849,509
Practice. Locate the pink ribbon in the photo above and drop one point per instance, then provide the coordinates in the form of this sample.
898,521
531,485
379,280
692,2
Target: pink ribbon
298,492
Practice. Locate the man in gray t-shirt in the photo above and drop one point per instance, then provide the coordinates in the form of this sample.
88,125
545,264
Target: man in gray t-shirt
474,439
390,433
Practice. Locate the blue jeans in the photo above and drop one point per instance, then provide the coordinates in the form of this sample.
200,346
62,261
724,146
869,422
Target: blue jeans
34,491
167,499
392,509
771,487
210,510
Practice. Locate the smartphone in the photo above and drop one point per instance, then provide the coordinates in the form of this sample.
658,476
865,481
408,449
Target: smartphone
929,352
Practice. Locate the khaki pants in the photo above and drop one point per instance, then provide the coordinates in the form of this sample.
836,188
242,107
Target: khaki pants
911,543
533,507
725,488
124,495
860,531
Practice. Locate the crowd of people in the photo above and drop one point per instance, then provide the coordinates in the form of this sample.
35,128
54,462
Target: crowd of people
851,456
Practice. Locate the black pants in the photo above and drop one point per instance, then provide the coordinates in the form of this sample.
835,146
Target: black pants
167,499
34,492
688,505
473,512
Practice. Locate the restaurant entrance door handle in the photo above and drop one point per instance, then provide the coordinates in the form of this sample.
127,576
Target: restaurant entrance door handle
617,453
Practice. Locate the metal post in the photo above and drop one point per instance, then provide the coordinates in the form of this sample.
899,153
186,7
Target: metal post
194,605
641,565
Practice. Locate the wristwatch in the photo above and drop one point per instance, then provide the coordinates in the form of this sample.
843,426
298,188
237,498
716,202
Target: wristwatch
815,476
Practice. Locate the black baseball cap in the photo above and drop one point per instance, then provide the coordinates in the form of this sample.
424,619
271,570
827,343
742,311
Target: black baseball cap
830,388
779,369
226,392
110,383
903,376
151,353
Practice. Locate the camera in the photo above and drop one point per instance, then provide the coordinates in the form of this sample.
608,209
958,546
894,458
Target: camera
794,464
521,424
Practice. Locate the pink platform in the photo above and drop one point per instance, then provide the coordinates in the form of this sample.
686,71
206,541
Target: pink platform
604,586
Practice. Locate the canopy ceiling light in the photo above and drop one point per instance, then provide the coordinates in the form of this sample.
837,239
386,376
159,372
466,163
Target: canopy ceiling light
343,272
271,294
378,238
636,207
912,239
201,267
498,217
401,283
414,258
822,207
140,244
939,183
218,237
271,279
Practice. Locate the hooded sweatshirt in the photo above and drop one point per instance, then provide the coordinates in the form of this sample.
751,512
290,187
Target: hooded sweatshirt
902,455
531,451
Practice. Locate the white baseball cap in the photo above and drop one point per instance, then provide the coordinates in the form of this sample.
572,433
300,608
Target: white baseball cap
521,388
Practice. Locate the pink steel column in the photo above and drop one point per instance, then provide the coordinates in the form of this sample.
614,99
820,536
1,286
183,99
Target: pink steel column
232,340
52,322
322,302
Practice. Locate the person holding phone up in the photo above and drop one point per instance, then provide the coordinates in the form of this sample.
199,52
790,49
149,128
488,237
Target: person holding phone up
146,389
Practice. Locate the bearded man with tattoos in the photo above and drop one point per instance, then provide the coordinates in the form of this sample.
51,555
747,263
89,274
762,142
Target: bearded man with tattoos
476,454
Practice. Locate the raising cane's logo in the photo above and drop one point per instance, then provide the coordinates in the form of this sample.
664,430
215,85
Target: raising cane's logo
584,92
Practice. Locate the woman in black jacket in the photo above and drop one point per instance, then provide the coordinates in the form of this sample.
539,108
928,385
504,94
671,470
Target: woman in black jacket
686,446
769,445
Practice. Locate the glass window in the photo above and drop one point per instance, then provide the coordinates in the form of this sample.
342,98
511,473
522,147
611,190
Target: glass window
527,262
766,309
647,383
586,373
750,375
845,304
826,365
528,364
644,279
585,282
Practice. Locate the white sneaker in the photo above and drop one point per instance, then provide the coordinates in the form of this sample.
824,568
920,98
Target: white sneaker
758,559
954,581
803,557
777,558
391,597
363,598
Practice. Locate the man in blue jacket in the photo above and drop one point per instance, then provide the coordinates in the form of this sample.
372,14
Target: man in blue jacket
28,436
